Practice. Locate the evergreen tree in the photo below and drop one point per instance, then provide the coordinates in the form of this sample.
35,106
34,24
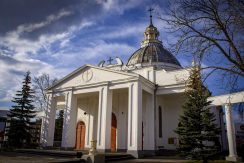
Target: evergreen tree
20,115
197,131
59,126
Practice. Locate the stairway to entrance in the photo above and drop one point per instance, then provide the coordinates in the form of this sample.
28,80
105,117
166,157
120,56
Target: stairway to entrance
117,156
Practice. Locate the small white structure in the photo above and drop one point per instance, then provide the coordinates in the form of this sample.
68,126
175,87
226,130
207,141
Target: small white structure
226,101
132,107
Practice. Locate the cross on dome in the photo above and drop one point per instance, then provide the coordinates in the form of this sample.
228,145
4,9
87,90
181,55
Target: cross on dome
110,60
150,10
151,33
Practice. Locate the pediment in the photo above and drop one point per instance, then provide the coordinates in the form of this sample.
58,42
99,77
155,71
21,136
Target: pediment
90,75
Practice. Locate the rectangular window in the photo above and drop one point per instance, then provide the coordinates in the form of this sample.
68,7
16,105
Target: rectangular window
171,140
160,121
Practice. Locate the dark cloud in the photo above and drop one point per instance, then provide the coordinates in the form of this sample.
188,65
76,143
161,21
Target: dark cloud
18,12
17,72
8,60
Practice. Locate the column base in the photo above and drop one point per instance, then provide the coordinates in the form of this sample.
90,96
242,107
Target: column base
141,153
232,158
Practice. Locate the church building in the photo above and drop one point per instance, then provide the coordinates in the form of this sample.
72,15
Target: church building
132,107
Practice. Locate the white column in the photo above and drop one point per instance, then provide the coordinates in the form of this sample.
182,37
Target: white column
104,119
230,134
48,122
150,140
134,146
69,122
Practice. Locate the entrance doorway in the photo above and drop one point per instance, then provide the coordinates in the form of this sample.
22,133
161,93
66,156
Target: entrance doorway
80,135
113,133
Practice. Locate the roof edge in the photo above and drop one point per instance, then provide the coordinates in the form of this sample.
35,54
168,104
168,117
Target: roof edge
88,65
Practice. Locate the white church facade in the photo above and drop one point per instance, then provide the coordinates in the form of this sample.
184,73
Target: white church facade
132,107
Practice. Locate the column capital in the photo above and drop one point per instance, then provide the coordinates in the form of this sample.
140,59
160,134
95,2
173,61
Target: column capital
228,109
57,94
69,92
49,96
227,104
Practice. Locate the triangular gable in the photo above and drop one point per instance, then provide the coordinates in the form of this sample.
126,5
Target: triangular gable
89,74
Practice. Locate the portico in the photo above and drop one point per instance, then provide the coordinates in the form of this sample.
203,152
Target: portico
95,104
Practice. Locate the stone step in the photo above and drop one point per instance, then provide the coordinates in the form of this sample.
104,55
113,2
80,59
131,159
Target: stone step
165,152
56,153
74,154
117,156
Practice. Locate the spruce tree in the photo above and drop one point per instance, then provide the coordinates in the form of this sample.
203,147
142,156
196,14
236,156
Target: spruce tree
20,115
197,131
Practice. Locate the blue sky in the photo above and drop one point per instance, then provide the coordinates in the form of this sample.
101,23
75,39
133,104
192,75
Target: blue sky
58,36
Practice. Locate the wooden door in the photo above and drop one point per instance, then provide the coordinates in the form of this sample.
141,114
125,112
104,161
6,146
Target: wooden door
80,135
113,133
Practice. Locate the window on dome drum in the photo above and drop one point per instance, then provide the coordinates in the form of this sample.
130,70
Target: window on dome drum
160,122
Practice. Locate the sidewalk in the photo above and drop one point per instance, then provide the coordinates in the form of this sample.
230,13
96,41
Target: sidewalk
155,159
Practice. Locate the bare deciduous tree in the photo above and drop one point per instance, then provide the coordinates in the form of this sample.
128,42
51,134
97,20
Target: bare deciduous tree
41,83
210,29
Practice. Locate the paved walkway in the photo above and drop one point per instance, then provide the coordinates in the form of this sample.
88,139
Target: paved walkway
12,157
156,159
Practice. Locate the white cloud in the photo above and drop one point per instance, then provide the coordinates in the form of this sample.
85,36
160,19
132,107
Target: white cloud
127,30
96,50
33,26
12,75
118,6
24,51
23,46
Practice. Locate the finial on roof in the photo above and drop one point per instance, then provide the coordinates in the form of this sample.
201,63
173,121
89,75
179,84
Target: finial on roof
193,62
150,10
110,60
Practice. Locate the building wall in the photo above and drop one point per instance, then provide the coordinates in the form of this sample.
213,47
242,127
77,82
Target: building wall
170,114
87,112
120,109
164,77
171,109
148,121
147,72
173,77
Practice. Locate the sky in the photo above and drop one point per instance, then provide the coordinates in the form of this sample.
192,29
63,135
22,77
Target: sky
58,36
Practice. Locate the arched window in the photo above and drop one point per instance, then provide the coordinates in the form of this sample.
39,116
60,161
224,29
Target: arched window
160,122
